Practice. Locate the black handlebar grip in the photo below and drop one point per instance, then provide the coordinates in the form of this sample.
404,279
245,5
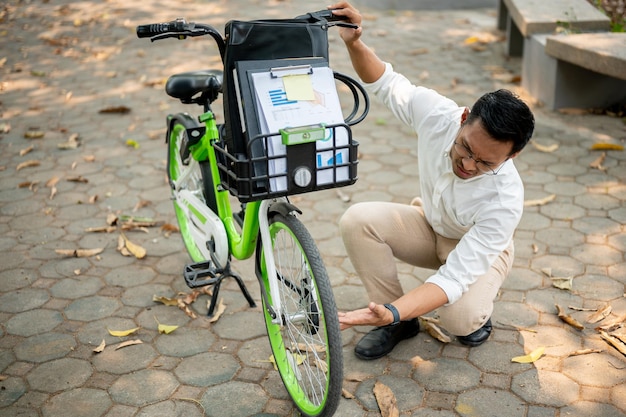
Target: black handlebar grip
148,31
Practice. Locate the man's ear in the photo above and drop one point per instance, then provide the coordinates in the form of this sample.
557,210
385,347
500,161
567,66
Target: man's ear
514,155
466,113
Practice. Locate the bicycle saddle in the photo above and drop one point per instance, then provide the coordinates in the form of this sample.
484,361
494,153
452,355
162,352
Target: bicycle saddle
184,86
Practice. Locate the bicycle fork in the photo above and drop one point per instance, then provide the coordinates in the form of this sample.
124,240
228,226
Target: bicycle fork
274,307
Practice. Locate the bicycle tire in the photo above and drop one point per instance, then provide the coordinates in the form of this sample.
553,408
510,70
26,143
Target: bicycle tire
309,336
177,158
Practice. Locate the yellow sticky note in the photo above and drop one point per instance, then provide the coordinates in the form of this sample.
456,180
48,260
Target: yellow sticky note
299,87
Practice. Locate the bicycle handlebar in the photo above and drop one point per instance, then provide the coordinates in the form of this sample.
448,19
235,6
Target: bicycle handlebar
180,28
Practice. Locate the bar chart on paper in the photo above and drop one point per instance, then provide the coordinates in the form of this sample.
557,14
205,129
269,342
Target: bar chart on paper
294,101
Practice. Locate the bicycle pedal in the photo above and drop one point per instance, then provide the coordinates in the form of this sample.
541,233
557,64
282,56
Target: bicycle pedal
195,274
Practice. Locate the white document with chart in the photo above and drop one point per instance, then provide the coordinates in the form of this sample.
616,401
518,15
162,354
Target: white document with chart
298,98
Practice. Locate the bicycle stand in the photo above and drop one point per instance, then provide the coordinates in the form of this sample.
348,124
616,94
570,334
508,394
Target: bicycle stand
195,273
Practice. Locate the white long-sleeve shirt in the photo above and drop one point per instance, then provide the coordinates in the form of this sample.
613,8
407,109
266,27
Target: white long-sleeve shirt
482,211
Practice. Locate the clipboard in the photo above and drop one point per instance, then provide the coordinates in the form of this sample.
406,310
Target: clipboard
246,94
252,77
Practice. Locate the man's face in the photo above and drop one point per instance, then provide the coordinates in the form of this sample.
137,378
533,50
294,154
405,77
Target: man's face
475,152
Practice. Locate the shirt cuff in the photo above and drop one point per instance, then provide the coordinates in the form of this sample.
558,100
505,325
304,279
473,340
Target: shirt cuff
452,289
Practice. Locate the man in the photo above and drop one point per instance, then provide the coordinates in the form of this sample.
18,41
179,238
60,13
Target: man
463,225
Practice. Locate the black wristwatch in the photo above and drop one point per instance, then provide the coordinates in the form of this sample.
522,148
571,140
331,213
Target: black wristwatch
394,312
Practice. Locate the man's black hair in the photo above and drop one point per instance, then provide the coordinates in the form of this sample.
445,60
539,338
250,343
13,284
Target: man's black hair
505,117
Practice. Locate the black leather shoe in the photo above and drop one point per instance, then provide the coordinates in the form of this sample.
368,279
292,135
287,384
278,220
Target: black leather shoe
478,337
380,341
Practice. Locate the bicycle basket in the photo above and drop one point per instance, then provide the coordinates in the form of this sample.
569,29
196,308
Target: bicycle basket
292,169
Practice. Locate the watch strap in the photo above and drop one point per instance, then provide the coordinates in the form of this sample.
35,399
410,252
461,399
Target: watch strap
394,312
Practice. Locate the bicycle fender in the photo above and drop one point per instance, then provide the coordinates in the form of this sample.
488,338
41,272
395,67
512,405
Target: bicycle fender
187,121
284,208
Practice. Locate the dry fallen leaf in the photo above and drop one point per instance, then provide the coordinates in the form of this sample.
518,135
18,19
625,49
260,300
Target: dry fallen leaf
613,341
34,134
166,329
357,376
169,228
584,352
27,150
433,330
100,347
531,357
136,250
165,300
79,253
122,333
347,394
544,148
562,283
602,313
568,319
102,229
115,109
221,307
28,164
386,400
72,142
540,202
606,147
128,343
77,178
597,163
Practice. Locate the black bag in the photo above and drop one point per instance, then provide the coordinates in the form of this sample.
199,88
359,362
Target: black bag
264,40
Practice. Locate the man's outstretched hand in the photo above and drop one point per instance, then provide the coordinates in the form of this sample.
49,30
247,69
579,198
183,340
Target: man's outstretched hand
373,315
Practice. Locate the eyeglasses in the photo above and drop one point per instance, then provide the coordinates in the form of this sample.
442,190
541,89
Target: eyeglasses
483,167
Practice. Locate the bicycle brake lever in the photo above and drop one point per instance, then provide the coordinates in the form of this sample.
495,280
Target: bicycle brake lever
343,25
177,35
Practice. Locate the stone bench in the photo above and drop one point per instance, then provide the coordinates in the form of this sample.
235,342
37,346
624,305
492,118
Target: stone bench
583,70
521,19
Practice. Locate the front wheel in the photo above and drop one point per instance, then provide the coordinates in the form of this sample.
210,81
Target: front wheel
305,339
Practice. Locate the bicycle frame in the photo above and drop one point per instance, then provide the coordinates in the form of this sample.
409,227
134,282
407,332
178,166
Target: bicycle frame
221,227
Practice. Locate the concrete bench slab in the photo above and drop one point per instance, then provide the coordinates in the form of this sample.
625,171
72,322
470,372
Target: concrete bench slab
604,53
524,18
427,4
587,72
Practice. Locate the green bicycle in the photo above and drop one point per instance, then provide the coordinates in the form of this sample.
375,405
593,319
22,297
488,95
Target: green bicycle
204,168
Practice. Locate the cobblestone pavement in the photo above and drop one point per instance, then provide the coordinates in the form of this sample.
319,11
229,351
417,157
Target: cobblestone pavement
61,62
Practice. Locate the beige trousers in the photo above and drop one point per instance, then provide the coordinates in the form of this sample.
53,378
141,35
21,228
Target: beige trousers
375,234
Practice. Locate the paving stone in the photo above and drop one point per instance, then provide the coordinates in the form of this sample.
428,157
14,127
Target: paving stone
122,361
234,399
130,276
546,388
594,370
34,322
588,408
23,300
207,369
76,288
59,375
173,409
13,279
78,403
489,403
143,387
45,347
185,342
92,308
434,375
11,390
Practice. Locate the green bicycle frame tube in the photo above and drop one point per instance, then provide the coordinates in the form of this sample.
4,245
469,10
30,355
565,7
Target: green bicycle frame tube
242,245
